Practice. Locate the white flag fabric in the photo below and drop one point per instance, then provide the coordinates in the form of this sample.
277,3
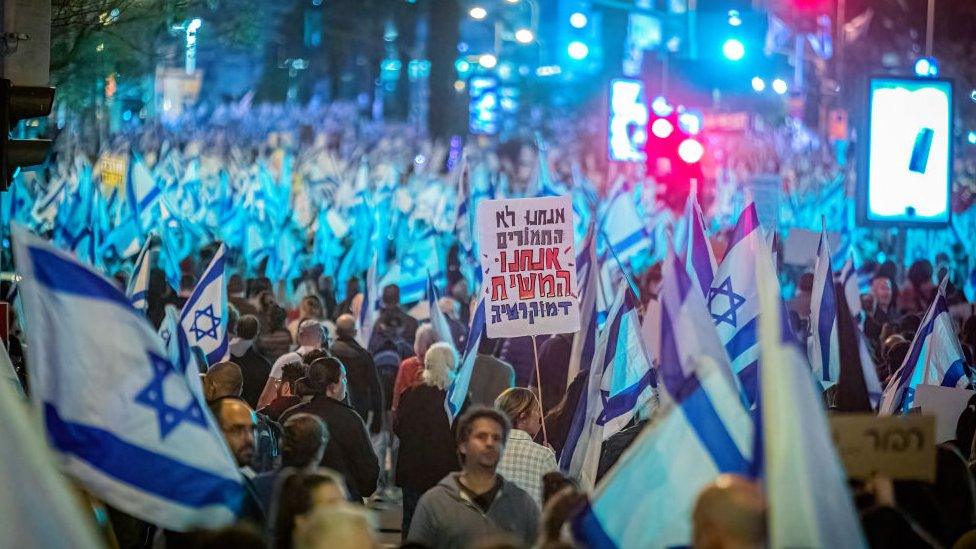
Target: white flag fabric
734,303
647,498
137,290
457,393
39,508
588,280
122,417
621,382
368,311
809,501
934,358
695,246
823,348
204,316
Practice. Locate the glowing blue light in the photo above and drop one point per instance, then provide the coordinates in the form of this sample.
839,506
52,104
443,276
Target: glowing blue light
735,19
578,50
733,49
578,20
691,123
758,84
971,137
927,66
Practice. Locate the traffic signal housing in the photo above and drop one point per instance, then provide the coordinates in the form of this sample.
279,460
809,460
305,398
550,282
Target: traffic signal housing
21,103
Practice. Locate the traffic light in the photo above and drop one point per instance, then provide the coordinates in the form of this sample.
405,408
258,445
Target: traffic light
20,103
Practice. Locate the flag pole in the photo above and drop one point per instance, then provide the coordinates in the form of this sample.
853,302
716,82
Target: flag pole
538,378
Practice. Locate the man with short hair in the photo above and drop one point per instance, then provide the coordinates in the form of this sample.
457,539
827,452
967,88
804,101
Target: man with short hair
311,335
303,445
365,395
729,513
223,379
236,421
390,304
350,452
477,502
254,367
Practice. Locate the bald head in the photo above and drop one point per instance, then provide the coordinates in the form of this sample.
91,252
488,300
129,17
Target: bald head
222,380
730,513
346,326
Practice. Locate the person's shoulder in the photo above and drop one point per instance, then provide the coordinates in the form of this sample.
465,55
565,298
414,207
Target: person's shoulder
518,496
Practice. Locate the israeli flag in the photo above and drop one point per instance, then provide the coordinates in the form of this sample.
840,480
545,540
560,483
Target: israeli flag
410,271
823,347
178,349
137,290
204,316
734,303
807,492
142,192
442,330
849,279
368,310
147,447
624,227
694,245
457,393
934,358
621,382
588,277
646,499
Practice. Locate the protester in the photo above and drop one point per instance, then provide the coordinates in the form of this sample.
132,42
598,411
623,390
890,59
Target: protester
800,304
254,367
304,440
390,306
524,462
350,452
729,513
275,340
410,370
490,376
365,395
223,379
311,335
882,309
287,393
352,290
915,297
336,527
235,295
297,494
476,502
310,308
554,357
559,420
236,421
452,311
427,451
517,352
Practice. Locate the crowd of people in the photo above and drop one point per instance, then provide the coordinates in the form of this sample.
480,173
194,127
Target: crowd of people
322,419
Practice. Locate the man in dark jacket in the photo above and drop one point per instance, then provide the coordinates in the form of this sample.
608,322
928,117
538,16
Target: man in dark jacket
254,367
391,306
349,451
365,395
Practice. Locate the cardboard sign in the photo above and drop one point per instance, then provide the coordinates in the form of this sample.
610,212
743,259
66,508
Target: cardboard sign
901,447
945,403
529,263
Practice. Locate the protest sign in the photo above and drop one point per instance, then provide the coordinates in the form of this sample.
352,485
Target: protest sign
945,403
901,447
529,264
113,170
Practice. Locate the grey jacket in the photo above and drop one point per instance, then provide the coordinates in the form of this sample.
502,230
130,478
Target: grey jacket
446,519
489,378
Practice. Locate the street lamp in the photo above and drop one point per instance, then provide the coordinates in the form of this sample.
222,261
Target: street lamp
779,86
578,20
524,36
488,61
578,50
758,84
478,13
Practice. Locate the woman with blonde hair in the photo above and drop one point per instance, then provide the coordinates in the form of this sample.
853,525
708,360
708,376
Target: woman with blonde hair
524,462
427,448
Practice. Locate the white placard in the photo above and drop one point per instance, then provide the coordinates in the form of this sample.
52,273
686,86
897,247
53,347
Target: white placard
529,264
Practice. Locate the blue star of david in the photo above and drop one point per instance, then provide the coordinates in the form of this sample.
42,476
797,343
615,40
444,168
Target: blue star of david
152,396
410,263
207,313
735,301
624,401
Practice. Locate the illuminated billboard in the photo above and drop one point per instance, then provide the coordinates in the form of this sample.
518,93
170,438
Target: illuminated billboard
906,178
628,121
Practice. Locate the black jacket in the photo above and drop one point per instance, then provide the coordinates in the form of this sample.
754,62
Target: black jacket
427,448
365,394
349,450
255,370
